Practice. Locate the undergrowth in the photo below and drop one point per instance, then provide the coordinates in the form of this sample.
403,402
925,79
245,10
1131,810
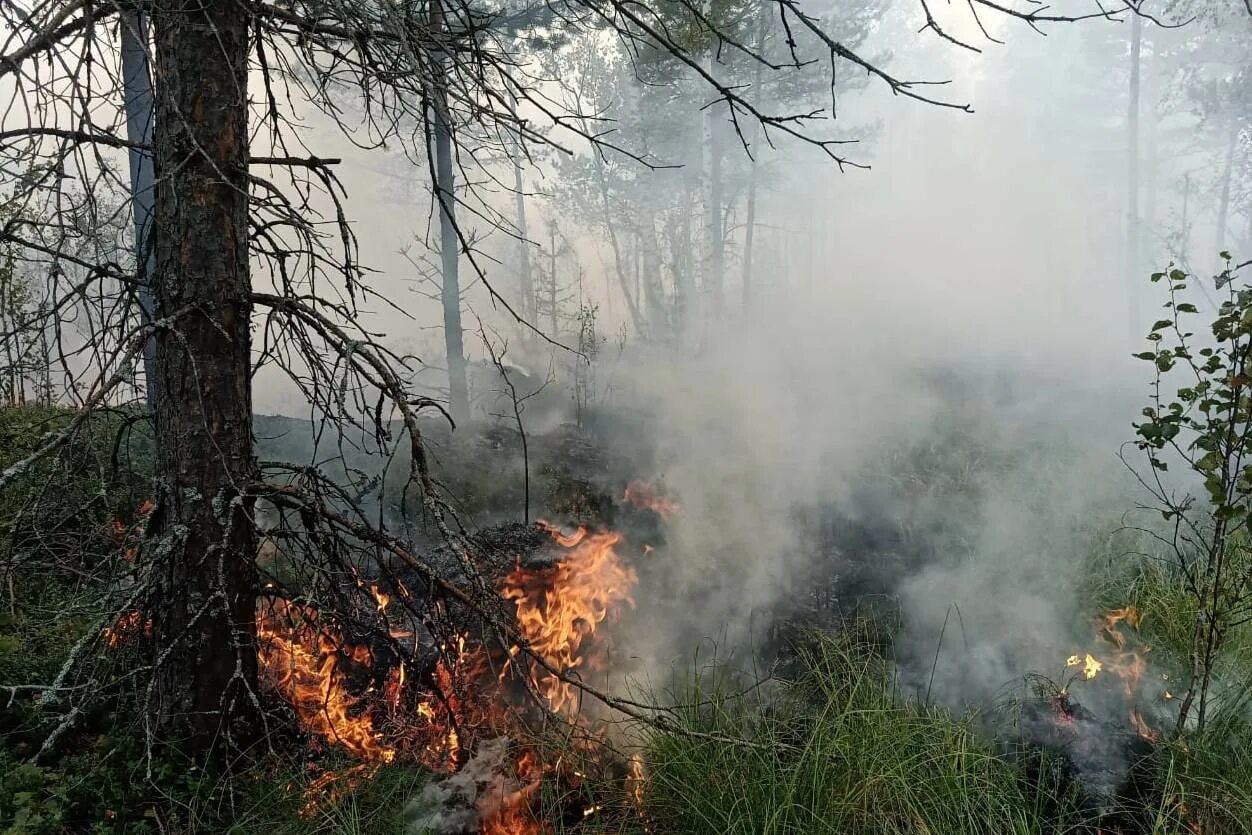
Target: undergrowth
838,750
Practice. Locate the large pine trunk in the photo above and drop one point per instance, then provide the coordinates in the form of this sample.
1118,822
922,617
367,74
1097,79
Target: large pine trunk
204,573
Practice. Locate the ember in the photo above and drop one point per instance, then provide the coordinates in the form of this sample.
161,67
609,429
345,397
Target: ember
125,627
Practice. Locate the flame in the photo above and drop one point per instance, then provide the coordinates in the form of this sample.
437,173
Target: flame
1090,665
559,607
511,814
1106,624
636,785
644,495
129,536
1125,660
1142,728
300,661
1129,665
514,818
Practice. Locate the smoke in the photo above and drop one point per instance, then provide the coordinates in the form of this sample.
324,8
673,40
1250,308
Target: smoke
761,438
457,802
922,401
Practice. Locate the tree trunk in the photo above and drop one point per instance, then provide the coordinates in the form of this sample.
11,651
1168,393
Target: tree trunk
1132,180
1151,163
749,233
635,316
552,301
137,102
749,238
526,286
681,247
654,291
717,229
45,354
6,282
203,608
1223,203
449,244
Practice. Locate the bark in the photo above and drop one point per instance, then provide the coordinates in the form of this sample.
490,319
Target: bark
654,293
749,237
449,243
202,557
10,363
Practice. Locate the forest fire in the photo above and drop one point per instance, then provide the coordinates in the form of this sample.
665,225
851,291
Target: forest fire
1090,666
1141,727
1123,659
1128,665
301,662
644,495
129,537
559,606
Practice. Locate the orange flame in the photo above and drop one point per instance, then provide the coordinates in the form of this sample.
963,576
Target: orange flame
1106,624
636,785
1142,728
560,607
1129,665
301,662
330,786
644,495
130,536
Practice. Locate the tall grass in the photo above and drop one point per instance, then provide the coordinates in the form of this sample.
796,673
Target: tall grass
838,751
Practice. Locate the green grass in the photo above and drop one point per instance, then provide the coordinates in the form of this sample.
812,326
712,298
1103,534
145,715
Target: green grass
282,801
1206,777
838,751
